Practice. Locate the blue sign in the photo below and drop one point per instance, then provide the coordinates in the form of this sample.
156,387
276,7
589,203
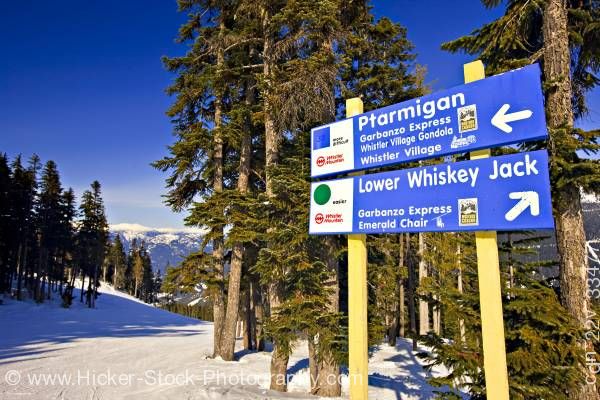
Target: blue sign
500,110
510,192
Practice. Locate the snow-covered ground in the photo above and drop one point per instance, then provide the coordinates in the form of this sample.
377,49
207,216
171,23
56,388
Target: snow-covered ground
125,349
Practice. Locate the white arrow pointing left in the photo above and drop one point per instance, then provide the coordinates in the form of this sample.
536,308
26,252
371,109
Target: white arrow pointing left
501,119
527,200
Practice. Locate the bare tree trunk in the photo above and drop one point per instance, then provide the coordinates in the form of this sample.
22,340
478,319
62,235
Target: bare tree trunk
401,295
511,278
411,292
248,340
461,322
423,305
279,358
570,235
233,303
88,293
239,327
259,313
328,384
37,278
115,272
402,320
19,270
82,285
313,365
279,362
94,289
437,316
136,287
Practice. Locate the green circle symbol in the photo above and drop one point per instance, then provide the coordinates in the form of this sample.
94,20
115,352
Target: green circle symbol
322,194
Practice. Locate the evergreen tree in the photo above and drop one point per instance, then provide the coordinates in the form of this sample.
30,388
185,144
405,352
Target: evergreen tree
92,238
563,36
5,226
147,278
138,271
197,158
49,220
118,262
541,339
247,92
22,196
66,237
377,64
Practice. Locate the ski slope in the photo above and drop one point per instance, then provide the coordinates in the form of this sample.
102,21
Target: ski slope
125,349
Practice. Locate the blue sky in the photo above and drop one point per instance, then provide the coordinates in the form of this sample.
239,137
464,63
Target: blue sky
82,83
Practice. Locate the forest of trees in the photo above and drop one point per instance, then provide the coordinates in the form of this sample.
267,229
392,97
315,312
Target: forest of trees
46,242
256,77
131,272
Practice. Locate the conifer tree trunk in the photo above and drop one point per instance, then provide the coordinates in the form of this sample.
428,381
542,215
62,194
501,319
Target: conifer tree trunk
437,315
36,276
19,270
248,340
461,322
279,358
313,365
401,312
402,316
237,257
328,382
510,283
411,291
115,272
218,295
135,289
82,286
258,312
570,235
423,305
94,293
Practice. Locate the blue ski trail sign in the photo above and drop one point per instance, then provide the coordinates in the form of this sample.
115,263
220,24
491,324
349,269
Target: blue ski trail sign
500,110
503,193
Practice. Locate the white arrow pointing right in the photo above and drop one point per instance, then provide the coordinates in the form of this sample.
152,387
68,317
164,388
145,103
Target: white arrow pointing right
526,200
501,118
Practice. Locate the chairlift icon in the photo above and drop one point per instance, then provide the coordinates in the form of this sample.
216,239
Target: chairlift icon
439,223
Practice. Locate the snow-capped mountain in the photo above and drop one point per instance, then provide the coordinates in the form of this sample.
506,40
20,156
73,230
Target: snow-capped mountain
165,245
171,245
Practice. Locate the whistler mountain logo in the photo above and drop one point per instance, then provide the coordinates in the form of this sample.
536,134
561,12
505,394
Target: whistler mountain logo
462,141
468,212
467,118
321,138
332,148
331,206
322,194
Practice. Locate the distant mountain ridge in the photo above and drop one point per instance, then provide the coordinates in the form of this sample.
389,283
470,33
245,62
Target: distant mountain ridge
165,245
171,245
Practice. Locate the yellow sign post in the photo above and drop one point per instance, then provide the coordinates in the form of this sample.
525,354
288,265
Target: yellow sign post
357,300
488,267
490,294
